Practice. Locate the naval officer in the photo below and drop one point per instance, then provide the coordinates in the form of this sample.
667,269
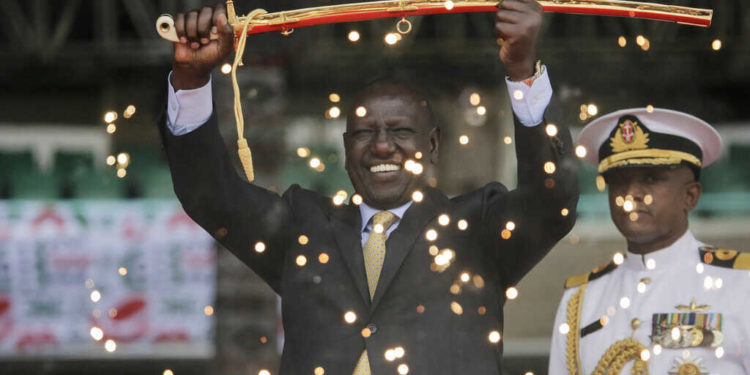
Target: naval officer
671,304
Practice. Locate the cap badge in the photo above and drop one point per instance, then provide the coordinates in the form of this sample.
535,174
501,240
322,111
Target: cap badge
629,136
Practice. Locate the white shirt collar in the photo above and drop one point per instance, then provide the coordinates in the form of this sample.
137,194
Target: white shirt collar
676,253
368,212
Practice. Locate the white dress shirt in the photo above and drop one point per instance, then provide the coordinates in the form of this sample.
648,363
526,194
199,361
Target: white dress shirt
189,109
368,212
675,276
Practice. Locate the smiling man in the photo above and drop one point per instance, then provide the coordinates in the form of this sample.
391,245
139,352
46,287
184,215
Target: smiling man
397,125
672,305
408,281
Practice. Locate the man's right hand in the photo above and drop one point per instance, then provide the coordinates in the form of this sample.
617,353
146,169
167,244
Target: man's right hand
195,55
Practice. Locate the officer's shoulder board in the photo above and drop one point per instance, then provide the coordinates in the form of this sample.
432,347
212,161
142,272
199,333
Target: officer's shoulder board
724,258
596,273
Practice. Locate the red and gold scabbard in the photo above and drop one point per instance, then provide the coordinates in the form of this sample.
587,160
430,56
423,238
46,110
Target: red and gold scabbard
287,21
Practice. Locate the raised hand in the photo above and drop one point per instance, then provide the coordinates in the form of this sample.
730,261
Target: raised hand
517,22
196,54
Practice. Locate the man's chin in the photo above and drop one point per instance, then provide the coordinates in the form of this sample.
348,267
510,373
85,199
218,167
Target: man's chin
387,199
637,232
386,202
389,193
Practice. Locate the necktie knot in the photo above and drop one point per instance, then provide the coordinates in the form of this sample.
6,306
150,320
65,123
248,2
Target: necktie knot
382,220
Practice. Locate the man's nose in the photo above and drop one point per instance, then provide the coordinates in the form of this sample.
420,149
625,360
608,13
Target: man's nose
383,142
635,189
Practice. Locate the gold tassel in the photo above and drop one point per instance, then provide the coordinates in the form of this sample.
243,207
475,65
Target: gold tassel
246,158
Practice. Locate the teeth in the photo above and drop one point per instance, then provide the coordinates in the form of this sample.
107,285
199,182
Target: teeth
384,168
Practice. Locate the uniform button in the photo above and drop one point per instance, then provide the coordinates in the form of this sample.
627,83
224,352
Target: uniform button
635,323
174,107
369,330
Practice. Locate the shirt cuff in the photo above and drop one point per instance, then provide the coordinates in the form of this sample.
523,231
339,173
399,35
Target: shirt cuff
187,110
530,101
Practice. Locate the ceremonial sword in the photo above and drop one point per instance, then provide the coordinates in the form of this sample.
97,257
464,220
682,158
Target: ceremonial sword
287,21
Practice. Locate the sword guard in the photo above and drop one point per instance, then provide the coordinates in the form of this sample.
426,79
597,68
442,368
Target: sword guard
165,28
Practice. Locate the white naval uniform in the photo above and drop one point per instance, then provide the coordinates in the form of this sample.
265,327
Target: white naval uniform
674,280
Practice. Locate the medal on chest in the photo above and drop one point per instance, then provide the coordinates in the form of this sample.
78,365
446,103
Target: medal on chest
689,329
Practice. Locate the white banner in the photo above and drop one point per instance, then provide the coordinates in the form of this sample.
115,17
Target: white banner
140,273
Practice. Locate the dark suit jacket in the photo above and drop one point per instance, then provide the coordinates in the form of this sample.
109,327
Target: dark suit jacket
442,323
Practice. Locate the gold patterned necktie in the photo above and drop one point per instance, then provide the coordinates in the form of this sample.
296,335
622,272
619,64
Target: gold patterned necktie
374,254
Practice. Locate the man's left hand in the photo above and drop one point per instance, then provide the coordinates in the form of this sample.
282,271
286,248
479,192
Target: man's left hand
517,22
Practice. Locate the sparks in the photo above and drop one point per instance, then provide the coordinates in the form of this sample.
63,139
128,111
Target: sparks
96,333
350,317
391,38
494,337
110,345
511,293
353,36
551,130
260,247
301,260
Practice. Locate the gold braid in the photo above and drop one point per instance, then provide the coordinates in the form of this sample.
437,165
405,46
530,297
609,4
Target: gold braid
616,356
571,346
620,353
246,157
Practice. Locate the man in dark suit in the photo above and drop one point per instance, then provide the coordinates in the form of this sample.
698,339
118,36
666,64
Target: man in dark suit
403,279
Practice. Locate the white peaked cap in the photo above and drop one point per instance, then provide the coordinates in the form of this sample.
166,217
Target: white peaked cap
657,120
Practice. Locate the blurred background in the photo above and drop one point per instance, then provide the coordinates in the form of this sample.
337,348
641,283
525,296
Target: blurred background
102,272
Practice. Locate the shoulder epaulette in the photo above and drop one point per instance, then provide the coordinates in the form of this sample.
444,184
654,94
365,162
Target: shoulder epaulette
724,258
596,273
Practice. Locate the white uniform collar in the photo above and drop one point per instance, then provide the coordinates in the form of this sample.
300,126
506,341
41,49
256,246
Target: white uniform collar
368,212
681,251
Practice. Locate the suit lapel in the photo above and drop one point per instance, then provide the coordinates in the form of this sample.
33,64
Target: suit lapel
401,241
347,227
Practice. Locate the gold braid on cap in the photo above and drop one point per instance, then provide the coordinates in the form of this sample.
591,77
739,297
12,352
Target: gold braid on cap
652,156
616,356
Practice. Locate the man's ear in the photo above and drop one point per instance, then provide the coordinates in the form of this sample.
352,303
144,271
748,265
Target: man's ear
693,191
434,144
